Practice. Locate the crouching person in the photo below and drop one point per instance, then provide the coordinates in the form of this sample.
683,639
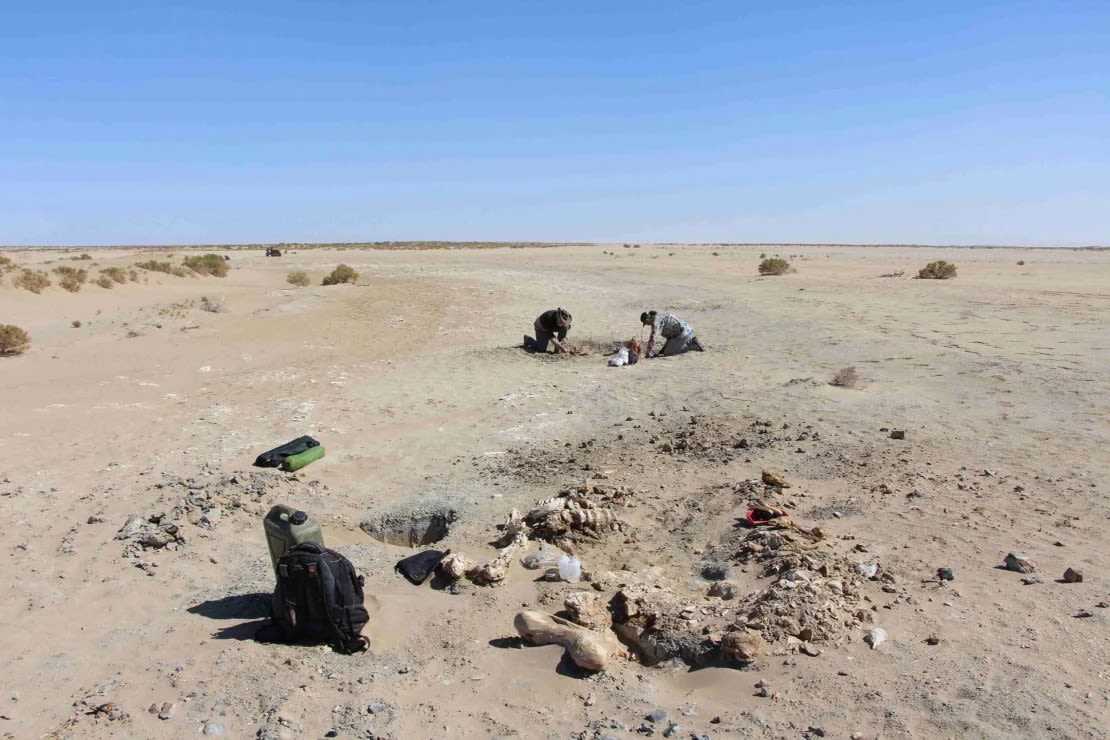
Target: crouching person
551,328
673,333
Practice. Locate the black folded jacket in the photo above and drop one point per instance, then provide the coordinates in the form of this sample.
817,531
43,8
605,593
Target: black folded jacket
275,457
416,568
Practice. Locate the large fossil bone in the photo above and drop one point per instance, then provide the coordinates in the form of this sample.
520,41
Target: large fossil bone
588,648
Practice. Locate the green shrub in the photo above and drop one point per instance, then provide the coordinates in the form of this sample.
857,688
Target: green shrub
297,277
939,270
71,278
6,264
207,264
84,256
774,266
13,340
33,281
341,274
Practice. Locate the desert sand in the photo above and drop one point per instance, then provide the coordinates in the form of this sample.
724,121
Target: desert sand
414,381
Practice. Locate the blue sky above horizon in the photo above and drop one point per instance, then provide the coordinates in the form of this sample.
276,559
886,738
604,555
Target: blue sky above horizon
946,123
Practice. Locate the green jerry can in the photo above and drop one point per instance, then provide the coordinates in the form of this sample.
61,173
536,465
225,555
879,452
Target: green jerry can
286,528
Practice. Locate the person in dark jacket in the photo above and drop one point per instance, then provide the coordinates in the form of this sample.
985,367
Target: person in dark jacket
551,328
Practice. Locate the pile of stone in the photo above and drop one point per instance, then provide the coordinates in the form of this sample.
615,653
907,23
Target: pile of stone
203,501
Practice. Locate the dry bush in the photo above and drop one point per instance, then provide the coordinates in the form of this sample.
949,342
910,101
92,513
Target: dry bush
13,340
211,305
939,270
297,277
895,274
33,281
207,264
1021,262
115,274
105,282
84,256
846,377
774,266
6,264
155,266
71,278
341,274
134,275
76,323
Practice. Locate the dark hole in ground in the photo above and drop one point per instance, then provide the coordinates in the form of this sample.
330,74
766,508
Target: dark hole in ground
411,529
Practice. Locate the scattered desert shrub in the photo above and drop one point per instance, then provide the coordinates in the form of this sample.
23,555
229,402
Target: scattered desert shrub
30,280
939,270
207,264
76,323
762,255
211,305
133,275
115,274
846,377
341,274
155,266
1021,262
13,340
84,256
774,266
71,278
6,264
105,282
895,274
297,277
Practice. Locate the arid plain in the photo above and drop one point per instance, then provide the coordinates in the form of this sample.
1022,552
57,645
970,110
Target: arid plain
413,380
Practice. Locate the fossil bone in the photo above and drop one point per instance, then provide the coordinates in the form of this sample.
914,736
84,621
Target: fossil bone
588,648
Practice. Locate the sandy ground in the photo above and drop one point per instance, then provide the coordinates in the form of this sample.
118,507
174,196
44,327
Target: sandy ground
413,381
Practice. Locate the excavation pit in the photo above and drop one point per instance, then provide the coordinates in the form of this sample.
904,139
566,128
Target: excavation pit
411,528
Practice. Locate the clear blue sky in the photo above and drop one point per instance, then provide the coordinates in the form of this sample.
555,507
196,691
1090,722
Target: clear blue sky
936,122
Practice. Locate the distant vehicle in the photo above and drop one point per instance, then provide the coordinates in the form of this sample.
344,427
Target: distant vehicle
273,252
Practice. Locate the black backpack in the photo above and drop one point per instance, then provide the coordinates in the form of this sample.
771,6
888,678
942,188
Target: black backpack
318,599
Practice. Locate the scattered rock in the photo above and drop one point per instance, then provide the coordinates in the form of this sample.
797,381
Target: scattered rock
212,729
810,650
763,689
1071,575
875,637
744,646
932,640
897,434
714,571
722,590
1019,563
672,728
1032,580
818,731
1083,614
946,574
656,716
167,710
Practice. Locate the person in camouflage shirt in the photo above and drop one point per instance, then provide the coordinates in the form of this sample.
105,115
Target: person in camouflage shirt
678,335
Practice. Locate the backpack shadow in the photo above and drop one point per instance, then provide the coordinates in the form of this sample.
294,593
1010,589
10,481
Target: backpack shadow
237,606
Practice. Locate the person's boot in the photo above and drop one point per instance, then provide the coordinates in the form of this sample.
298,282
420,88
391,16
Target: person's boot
696,345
